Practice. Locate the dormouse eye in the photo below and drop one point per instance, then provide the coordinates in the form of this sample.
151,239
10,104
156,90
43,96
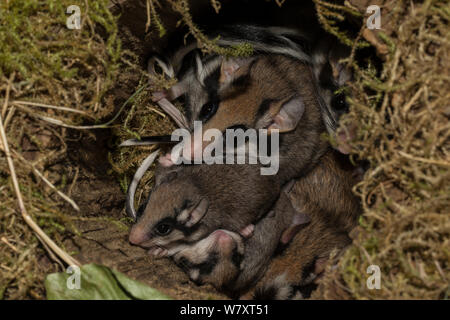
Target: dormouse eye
163,229
208,110
186,204
338,102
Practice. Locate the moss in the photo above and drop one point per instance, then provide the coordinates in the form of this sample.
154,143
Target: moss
42,61
407,146
39,48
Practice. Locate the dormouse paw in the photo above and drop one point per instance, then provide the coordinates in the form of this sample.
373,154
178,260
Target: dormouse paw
158,252
247,232
166,160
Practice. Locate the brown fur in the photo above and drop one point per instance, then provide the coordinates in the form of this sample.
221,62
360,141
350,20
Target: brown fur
277,79
223,273
326,195
260,248
274,78
238,195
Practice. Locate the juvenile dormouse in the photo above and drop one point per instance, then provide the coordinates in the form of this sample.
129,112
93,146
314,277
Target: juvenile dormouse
326,195
264,92
230,270
199,78
189,202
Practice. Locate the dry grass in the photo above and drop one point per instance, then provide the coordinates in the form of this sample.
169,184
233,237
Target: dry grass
48,73
403,118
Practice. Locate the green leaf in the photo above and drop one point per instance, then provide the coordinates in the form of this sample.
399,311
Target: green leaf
98,283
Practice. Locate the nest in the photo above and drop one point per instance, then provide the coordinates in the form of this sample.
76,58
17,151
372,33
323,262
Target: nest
56,83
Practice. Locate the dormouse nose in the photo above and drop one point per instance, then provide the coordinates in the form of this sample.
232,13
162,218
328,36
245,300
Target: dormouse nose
138,235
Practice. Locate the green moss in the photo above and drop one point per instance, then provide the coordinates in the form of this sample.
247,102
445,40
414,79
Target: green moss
49,64
39,48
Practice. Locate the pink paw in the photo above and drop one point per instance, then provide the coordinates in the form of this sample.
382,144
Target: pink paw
247,232
159,95
166,160
158,252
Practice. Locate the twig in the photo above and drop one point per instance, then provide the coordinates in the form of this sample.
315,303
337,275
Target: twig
157,112
147,25
439,269
413,100
31,223
5,241
48,106
8,89
6,268
74,180
98,93
62,195
98,126
9,116
429,161
50,252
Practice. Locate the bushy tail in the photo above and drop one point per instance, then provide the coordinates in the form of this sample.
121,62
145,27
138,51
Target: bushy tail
277,289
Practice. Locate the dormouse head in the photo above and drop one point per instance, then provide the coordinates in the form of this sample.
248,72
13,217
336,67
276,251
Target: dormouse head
255,92
215,259
261,92
332,74
171,216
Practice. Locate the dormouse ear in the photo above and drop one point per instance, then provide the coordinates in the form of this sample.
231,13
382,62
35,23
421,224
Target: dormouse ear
288,116
174,92
166,177
231,67
298,217
156,63
193,216
298,221
340,72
